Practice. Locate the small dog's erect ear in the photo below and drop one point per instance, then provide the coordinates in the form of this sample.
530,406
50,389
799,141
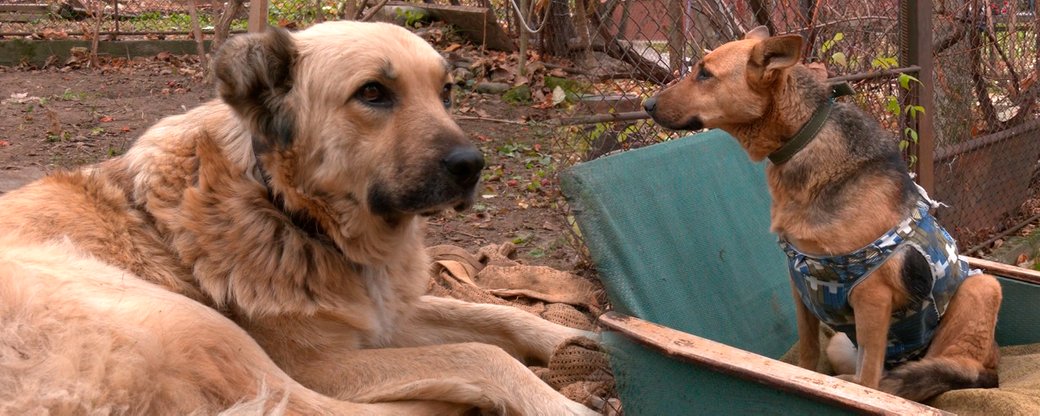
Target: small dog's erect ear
773,55
254,76
759,33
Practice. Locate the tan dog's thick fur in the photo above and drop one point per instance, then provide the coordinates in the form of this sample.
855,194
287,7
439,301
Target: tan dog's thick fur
845,189
265,250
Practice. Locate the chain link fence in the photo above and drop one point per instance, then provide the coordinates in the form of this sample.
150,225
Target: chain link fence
982,152
987,58
115,20
610,55
635,47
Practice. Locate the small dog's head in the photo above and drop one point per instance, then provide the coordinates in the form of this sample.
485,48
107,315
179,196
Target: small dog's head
355,111
731,86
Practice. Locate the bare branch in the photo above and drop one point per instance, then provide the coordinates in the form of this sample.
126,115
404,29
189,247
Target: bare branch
761,11
375,9
223,27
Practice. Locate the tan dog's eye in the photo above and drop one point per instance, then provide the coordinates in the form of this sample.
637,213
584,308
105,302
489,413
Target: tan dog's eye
446,95
703,74
374,94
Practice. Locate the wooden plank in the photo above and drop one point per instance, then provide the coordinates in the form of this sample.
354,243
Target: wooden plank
478,24
1004,270
17,51
20,17
24,8
257,16
734,361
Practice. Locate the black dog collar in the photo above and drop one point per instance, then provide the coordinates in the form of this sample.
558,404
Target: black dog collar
809,131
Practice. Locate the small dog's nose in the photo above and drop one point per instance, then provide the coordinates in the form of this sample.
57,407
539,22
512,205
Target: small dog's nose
464,163
650,105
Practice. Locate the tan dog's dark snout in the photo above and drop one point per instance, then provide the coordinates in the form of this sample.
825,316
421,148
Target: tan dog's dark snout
464,163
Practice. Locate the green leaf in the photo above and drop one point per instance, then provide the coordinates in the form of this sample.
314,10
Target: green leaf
911,133
883,62
903,144
839,36
893,105
839,59
904,81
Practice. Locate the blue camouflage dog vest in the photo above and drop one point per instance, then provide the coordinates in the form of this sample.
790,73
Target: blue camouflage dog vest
824,283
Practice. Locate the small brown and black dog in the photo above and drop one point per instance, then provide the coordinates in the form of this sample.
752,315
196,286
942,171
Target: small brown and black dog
857,230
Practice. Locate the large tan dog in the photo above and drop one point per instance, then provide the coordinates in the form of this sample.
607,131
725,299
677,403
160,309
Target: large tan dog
865,254
266,245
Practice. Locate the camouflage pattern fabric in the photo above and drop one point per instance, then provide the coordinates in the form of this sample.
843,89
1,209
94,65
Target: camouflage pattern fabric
824,283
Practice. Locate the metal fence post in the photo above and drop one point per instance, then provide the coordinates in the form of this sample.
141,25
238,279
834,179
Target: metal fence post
257,16
916,19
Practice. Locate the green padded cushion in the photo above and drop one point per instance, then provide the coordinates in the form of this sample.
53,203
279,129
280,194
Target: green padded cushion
1019,319
679,232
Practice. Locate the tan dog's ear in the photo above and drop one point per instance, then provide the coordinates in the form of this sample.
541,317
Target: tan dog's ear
758,33
771,56
254,76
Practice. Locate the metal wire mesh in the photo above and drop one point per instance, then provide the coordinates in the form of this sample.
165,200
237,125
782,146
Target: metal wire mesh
112,19
985,72
987,59
662,39
618,52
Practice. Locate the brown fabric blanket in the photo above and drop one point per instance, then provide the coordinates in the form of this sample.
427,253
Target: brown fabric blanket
579,369
1018,394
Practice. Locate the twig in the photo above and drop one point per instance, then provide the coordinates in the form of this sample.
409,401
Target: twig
1007,61
196,31
375,9
835,23
496,120
360,9
224,20
95,13
466,234
761,12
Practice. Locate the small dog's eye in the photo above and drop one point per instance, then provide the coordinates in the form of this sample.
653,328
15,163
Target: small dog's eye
374,94
703,74
446,95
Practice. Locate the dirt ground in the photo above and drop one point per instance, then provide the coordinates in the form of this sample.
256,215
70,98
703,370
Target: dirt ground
63,118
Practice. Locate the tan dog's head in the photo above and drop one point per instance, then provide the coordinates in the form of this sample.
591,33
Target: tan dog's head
733,85
352,111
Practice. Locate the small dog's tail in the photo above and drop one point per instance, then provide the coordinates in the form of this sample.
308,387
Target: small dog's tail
925,379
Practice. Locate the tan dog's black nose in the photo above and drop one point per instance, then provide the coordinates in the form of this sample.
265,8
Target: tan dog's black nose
650,105
464,163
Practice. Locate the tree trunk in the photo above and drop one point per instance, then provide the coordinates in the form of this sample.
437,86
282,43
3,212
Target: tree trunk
223,27
558,30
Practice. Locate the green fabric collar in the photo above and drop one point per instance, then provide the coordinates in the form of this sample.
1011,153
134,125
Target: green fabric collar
809,131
